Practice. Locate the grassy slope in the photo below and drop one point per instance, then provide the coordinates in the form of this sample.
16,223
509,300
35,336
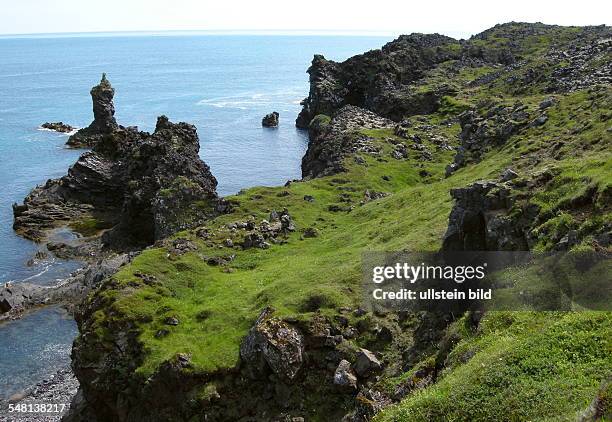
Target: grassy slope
528,366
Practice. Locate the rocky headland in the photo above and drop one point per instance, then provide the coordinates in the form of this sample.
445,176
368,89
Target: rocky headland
132,189
254,311
135,186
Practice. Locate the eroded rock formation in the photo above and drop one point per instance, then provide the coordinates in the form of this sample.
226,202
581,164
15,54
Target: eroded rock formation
57,127
145,186
104,122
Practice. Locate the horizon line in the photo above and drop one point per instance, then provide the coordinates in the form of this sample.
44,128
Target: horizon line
179,32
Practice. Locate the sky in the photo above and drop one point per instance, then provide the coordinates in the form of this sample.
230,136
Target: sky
459,18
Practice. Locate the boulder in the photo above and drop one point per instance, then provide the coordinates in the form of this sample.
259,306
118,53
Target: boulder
344,375
255,240
311,232
273,344
287,224
270,120
508,175
366,363
548,102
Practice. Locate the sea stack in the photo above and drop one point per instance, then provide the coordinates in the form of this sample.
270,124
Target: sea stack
104,122
270,120
103,107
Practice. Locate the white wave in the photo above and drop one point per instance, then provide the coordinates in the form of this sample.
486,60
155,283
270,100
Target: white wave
72,132
244,101
32,277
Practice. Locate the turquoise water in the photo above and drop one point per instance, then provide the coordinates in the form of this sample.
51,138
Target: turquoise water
222,84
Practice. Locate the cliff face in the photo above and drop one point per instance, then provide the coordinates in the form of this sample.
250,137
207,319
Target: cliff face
377,80
386,81
497,143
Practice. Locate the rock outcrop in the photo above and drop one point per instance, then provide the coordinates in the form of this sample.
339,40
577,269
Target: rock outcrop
332,140
500,216
57,127
145,186
15,298
482,132
270,120
377,80
104,122
385,81
273,344
282,364
479,221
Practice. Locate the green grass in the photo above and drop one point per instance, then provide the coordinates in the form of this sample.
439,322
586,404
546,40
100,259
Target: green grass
525,366
414,216
89,226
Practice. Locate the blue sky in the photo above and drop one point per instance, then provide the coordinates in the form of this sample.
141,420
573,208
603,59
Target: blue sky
459,18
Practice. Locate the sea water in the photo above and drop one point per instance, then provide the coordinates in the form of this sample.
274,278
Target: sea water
223,84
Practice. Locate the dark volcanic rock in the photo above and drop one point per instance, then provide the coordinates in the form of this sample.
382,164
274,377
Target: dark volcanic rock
273,344
479,220
270,120
57,127
366,363
482,132
377,80
344,375
587,61
170,188
104,122
332,140
18,297
146,186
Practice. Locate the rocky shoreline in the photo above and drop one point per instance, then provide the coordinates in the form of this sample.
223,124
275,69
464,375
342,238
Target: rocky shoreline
133,188
60,388
383,112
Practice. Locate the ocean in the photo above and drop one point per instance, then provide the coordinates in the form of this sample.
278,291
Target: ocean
224,84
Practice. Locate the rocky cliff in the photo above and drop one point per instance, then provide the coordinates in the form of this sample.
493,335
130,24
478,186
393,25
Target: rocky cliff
389,81
134,186
496,143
